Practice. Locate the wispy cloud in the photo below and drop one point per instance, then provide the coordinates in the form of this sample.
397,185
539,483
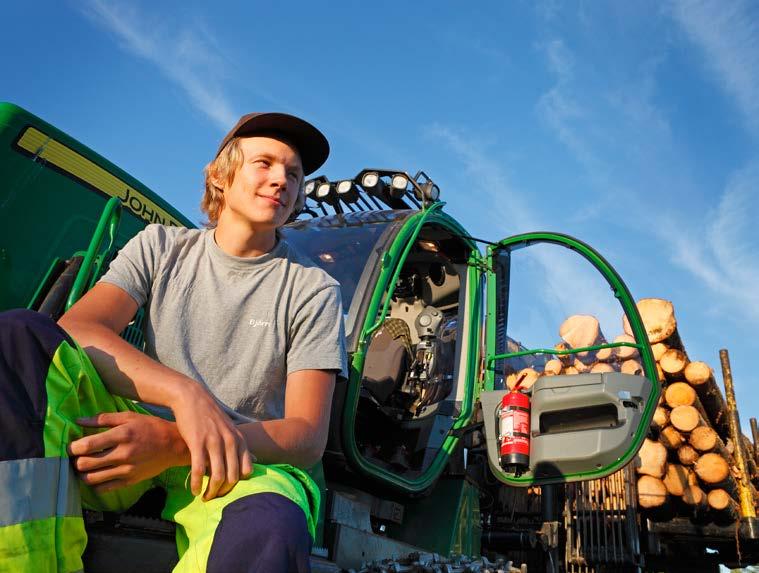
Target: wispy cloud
716,246
728,35
727,261
568,284
189,57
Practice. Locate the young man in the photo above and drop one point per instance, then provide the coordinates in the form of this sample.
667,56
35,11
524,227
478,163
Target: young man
243,344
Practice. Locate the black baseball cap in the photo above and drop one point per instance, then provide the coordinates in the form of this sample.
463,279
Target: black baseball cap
310,143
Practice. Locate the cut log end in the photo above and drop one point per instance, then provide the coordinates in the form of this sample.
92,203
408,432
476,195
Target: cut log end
684,418
658,317
679,394
651,492
651,459
703,438
712,468
698,373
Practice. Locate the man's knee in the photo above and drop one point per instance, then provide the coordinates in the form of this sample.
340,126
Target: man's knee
261,532
28,341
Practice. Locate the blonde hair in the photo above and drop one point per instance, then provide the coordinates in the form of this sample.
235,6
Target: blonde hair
223,169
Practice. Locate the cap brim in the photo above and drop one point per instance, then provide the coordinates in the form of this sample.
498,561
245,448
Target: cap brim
311,144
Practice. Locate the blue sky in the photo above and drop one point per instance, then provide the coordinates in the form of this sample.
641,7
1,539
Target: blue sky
633,126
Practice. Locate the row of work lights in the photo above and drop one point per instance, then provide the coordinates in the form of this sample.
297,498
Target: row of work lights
372,189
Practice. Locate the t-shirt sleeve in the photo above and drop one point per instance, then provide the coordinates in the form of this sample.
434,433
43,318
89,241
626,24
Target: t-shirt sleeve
317,335
135,267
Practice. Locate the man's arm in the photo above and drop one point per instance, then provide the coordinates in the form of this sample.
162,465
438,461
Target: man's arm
300,437
215,445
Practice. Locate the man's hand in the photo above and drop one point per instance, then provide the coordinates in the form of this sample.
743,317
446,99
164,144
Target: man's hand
135,447
217,448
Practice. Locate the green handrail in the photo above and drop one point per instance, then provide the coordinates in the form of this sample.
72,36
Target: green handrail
107,225
554,351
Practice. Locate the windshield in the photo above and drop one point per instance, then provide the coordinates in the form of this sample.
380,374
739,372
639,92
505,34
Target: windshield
342,245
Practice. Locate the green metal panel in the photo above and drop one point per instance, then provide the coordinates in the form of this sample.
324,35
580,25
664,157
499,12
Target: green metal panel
445,522
621,292
52,192
392,261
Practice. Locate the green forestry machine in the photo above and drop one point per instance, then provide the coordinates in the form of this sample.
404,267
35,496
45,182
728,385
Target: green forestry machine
425,469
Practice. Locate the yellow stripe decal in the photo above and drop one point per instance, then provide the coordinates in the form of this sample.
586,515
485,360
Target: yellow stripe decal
68,160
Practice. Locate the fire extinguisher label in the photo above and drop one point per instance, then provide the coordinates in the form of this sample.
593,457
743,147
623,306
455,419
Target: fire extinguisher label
515,431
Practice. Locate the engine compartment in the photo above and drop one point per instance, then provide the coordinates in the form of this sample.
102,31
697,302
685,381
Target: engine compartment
409,388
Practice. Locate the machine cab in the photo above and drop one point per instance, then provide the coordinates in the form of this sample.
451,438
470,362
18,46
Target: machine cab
434,329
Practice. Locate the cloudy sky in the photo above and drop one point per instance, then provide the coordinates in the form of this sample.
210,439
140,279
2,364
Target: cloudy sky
632,126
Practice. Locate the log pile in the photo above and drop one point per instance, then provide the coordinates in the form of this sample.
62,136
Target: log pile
686,465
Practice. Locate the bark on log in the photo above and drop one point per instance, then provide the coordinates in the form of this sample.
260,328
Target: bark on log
673,362
658,317
694,496
712,468
687,455
684,418
679,394
671,438
651,459
651,492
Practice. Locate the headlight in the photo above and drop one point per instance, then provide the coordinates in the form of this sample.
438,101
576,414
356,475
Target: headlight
322,191
370,180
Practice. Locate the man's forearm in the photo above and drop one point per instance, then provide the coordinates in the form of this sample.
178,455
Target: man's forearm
125,370
288,441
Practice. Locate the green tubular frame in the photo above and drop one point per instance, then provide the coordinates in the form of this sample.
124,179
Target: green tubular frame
620,291
392,262
93,262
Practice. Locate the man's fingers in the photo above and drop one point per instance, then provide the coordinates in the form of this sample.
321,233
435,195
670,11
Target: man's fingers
218,473
197,471
93,444
233,468
246,464
105,419
104,475
95,461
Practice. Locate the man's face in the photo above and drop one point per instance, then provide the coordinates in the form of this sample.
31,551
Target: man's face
265,188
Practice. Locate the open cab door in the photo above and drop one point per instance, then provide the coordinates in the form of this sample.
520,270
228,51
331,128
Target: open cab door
591,400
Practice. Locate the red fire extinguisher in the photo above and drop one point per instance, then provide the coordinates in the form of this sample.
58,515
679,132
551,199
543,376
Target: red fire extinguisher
515,431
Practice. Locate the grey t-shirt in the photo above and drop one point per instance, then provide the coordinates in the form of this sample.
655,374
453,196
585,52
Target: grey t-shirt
237,325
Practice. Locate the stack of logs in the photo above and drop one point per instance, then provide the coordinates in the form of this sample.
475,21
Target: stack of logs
686,465
687,461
